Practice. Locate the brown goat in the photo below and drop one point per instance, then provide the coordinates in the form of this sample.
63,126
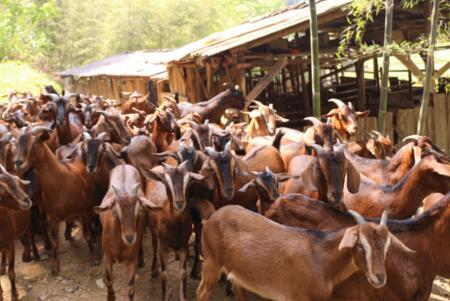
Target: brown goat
402,199
137,101
172,225
69,198
323,177
122,214
235,241
343,118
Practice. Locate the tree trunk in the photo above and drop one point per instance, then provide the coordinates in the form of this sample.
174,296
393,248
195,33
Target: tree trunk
385,76
315,68
427,83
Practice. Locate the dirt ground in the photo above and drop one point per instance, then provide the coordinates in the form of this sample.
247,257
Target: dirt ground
79,281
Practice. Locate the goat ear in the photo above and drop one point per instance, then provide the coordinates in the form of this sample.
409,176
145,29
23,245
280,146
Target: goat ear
362,114
105,205
147,204
247,186
417,152
196,177
442,169
398,243
310,176
153,174
349,239
281,119
353,178
241,168
332,113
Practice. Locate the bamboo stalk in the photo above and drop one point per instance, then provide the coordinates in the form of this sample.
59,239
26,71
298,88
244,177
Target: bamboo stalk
315,76
427,87
385,76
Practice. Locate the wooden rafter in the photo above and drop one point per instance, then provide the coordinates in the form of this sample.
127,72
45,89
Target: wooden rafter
406,60
438,73
265,81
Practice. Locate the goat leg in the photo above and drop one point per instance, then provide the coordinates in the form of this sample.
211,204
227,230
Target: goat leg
155,254
131,267
44,226
141,262
195,272
25,240
34,249
68,231
210,276
107,277
3,264
54,231
163,260
184,255
12,273
87,234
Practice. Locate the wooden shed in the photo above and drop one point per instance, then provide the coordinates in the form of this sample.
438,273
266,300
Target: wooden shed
141,71
269,58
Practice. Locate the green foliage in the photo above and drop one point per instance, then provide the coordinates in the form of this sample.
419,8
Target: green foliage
21,77
59,34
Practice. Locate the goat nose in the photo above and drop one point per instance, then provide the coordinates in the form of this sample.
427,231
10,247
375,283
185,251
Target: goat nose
336,196
91,168
381,277
179,205
18,163
129,238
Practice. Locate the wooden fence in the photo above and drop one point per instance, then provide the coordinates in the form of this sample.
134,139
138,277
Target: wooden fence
405,123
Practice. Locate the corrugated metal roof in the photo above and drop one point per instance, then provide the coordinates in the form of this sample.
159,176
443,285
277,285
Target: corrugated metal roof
139,63
254,29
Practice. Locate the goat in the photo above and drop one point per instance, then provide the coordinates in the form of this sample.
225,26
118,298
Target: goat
235,241
172,225
163,128
68,198
374,146
343,118
263,120
15,221
137,101
403,198
323,176
122,214
266,184
114,125
68,125
214,108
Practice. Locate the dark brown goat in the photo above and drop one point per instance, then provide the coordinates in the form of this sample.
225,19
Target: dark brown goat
172,225
69,198
114,125
323,177
122,214
214,108
140,102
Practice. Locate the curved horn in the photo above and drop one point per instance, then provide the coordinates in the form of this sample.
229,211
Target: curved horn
87,136
414,138
104,113
206,122
376,133
3,169
319,149
102,136
384,217
53,96
135,189
38,129
117,191
350,105
313,120
341,148
359,219
227,148
337,102
258,103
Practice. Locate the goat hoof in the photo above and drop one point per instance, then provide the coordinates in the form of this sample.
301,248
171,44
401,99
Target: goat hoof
26,257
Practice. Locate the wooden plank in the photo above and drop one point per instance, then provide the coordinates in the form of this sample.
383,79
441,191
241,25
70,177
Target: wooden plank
440,120
448,123
202,84
430,124
370,124
361,129
405,124
362,104
266,80
305,92
390,125
406,60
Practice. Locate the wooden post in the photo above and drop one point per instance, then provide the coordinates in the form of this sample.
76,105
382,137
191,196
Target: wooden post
315,67
385,76
305,93
427,87
376,75
359,66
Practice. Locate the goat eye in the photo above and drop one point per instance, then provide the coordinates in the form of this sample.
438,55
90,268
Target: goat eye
359,247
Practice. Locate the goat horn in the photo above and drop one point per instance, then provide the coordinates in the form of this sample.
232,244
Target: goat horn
359,219
117,191
102,136
319,149
350,105
53,96
258,103
337,102
3,169
38,129
376,133
206,122
384,217
104,113
135,189
313,120
87,136
227,147
340,148
415,138
7,137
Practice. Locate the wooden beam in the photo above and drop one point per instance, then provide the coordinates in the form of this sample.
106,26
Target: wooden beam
202,84
359,66
305,93
441,71
406,60
265,81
